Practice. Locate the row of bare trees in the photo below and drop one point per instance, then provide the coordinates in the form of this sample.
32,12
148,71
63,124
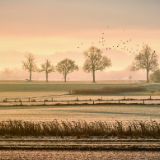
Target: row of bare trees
66,66
94,61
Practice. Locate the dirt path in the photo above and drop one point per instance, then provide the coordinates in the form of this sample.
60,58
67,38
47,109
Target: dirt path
79,144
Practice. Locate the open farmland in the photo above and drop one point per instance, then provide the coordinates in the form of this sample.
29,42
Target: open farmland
62,87
88,113
58,91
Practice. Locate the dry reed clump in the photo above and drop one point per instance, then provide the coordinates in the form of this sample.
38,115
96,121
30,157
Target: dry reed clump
4,100
108,90
81,129
33,100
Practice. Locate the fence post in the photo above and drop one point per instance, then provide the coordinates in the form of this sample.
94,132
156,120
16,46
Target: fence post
143,101
150,97
93,102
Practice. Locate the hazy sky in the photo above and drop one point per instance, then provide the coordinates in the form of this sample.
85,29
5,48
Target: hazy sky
49,26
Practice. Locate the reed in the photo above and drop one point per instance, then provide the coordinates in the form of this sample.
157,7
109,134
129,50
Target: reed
81,129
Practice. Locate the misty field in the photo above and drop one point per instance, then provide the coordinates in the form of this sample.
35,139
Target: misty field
52,86
88,113
62,87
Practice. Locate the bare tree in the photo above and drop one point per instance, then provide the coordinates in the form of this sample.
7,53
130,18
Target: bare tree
95,61
47,68
66,66
146,60
30,64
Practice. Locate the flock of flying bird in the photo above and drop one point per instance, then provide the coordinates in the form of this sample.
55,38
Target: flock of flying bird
122,45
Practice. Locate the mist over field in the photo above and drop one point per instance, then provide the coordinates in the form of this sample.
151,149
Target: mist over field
11,66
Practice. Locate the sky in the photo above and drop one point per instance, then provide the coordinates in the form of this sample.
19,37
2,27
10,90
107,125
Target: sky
47,27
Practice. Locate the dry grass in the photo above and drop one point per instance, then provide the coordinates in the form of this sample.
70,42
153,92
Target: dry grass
81,129
109,90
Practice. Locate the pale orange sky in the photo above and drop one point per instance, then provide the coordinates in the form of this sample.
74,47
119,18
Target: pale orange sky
45,27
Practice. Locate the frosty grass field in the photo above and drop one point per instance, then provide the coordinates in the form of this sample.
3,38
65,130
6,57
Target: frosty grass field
87,113
111,113
79,155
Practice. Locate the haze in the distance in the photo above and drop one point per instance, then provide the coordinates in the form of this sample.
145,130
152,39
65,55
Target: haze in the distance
58,29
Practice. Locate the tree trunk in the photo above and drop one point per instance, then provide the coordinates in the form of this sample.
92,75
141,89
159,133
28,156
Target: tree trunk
30,78
46,76
147,76
93,76
65,77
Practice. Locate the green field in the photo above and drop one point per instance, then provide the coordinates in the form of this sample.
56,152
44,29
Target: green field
40,86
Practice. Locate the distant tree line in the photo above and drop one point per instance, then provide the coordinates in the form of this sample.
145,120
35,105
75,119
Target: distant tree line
94,61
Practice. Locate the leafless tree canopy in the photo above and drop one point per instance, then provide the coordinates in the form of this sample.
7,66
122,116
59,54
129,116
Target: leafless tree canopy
47,68
30,64
66,66
95,61
146,60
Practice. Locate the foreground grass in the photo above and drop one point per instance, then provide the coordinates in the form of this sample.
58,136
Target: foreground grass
81,129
